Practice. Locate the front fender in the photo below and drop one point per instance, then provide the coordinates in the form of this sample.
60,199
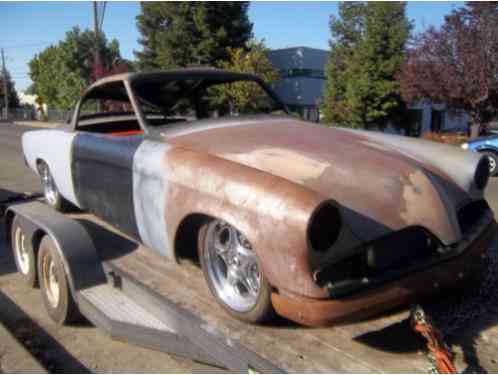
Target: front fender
272,212
485,147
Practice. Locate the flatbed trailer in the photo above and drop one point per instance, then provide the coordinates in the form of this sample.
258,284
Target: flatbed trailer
137,296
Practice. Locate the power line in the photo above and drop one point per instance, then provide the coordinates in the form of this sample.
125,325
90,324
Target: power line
5,88
28,45
102,14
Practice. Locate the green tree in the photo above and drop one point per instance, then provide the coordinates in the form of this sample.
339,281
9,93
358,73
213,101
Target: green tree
247,95
368,47
11,89
187,33
61,72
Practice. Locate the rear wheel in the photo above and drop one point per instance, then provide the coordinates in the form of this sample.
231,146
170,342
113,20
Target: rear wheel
493,162
234,273
24,256
54,286
50,191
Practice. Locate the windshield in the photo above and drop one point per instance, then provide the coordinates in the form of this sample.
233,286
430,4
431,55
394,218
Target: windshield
173,100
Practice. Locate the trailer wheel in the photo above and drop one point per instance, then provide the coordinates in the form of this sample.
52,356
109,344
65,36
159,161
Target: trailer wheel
24,255
233,272
54,286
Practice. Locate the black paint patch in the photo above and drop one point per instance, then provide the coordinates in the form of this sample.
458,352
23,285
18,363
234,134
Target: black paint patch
103,178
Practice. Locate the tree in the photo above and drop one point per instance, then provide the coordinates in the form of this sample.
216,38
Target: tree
246,95
458,63
187,33
61,72
13,98
368,47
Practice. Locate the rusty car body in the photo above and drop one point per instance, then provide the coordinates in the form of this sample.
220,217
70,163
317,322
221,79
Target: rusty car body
320,224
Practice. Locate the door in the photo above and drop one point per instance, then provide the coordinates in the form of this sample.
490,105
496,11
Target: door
103,177
437,121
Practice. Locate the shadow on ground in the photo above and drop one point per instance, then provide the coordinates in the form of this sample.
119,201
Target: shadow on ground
47,351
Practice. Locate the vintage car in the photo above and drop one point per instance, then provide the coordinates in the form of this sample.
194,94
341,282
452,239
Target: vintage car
318,224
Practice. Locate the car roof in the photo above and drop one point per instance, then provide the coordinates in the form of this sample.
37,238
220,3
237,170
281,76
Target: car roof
177,74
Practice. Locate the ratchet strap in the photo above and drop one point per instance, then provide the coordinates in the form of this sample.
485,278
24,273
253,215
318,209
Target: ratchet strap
443,355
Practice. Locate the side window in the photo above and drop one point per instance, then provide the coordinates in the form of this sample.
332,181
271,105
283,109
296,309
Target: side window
107,109
94,107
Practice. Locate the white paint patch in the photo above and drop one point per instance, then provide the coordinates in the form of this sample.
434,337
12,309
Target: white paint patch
149,196
54,147
458,164
292,165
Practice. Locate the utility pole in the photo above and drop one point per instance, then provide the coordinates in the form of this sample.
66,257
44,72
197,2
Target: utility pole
5,88
96,63
96,31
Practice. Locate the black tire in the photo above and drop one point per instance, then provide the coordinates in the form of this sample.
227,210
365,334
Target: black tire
57,201
263,309
24,255
493,162
63,309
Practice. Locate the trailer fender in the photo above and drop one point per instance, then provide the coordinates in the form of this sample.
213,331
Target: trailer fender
73,243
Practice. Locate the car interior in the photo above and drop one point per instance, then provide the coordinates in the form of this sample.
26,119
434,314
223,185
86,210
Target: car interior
107,109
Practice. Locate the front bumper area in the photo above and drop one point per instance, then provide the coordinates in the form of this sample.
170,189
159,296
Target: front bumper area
415,287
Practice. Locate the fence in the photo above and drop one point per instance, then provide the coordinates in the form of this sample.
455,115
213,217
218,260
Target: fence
28,114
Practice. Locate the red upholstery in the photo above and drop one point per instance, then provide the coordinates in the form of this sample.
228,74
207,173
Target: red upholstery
127,133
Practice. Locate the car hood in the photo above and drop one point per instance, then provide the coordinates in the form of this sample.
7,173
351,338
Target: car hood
382,182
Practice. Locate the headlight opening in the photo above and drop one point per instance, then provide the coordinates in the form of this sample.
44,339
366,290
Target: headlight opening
324,227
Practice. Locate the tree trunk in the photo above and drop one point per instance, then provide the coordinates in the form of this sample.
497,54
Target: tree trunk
475,127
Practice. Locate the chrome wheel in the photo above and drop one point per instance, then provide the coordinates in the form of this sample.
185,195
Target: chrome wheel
492,164
51,281
232,266
49,189
21,251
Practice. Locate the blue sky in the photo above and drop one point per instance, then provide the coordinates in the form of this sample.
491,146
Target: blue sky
29,27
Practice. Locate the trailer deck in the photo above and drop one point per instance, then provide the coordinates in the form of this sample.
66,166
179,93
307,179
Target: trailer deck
150,301
383,344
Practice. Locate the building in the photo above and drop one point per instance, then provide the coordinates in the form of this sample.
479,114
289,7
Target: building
428,116
302,72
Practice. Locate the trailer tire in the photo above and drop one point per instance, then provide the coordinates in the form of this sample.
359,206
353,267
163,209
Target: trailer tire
24,255
54,286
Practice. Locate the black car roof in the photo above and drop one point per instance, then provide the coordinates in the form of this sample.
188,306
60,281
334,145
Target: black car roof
178,74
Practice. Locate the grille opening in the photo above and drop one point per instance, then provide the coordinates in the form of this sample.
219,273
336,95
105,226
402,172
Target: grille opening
469,215
396,252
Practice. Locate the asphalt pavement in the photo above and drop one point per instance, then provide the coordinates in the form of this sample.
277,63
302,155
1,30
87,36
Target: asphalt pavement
80,348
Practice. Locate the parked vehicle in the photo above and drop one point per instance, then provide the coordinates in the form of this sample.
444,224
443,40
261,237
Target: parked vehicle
487,146
319,224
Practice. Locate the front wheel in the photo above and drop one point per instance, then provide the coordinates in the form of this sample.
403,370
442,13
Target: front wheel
493,162
234,273
50,191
